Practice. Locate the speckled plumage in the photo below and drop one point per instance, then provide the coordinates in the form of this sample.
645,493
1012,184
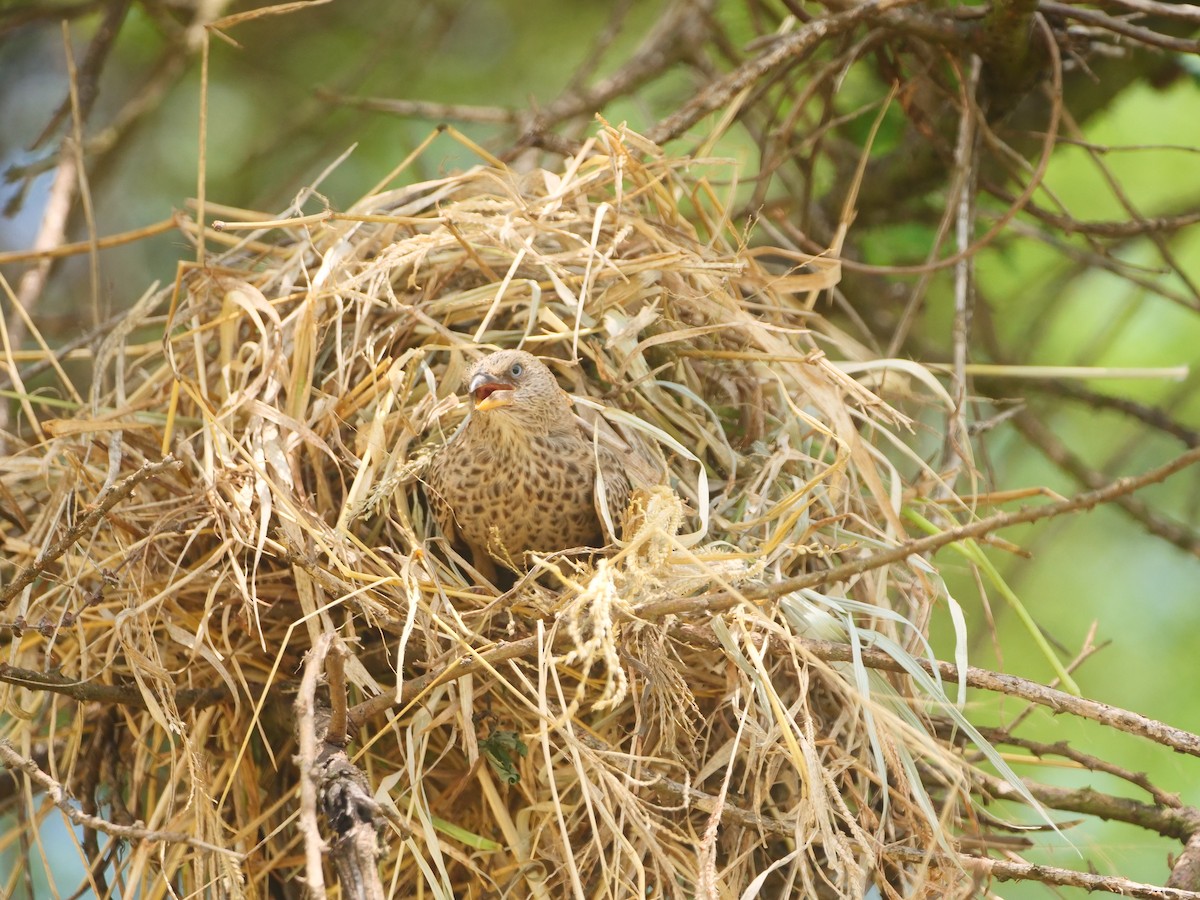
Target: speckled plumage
520,474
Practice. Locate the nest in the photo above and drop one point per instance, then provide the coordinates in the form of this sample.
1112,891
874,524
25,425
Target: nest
236,509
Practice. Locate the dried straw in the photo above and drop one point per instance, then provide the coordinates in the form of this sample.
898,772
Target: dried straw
556,740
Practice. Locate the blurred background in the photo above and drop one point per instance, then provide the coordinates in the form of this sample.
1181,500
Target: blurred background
1100,270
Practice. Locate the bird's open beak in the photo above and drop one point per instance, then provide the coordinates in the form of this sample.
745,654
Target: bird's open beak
490,392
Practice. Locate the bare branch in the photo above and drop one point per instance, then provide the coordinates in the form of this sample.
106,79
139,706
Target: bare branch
1009,870
1145,515
11,759
1185,874
1146,36
788,48
659,608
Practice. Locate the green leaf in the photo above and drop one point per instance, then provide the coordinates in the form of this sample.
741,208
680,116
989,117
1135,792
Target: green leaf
499,747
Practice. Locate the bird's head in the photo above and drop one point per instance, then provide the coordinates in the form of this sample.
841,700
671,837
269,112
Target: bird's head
517,385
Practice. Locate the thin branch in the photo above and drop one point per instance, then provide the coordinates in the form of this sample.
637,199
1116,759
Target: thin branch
1145,36
600,45
115,240
673,37
963,188
335,676
1066,751
1185,874
1045,440
1009,870
1184,12
330,782
1058,701
11,759
93,692
767,825
1122,197
730,813
1151,416
12,20
657,609
1116,230
423,109
1091,259
788,48
87,85
1179,823
308,736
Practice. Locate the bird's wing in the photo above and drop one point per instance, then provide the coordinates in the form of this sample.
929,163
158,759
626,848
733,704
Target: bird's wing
617,490
441,510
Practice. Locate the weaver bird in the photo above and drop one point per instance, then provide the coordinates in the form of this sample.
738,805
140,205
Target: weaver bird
520,475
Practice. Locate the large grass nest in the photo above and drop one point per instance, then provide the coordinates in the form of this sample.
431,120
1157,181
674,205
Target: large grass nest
651,722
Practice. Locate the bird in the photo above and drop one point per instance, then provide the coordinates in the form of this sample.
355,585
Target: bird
520,475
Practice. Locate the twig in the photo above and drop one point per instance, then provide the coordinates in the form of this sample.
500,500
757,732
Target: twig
61,351
107,499
730,812
68,171
88,77
422,109
81,92
1057,452
353,819
1091,259
11,759
657,609
14,19
331,782
1174,822
335,676
793,46
10,784
1185,874
115,240
672,37
1117,26
1058,701
964,187
1049,139
600,45
1127,203
460,668
1116,230
1008,870
308,735
93,692
1085,653
1186,12
1151,416
1066,751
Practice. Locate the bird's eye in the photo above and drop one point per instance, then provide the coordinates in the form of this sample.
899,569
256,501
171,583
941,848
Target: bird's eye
516,370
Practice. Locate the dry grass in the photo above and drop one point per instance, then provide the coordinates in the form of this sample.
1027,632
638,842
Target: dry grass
305,376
